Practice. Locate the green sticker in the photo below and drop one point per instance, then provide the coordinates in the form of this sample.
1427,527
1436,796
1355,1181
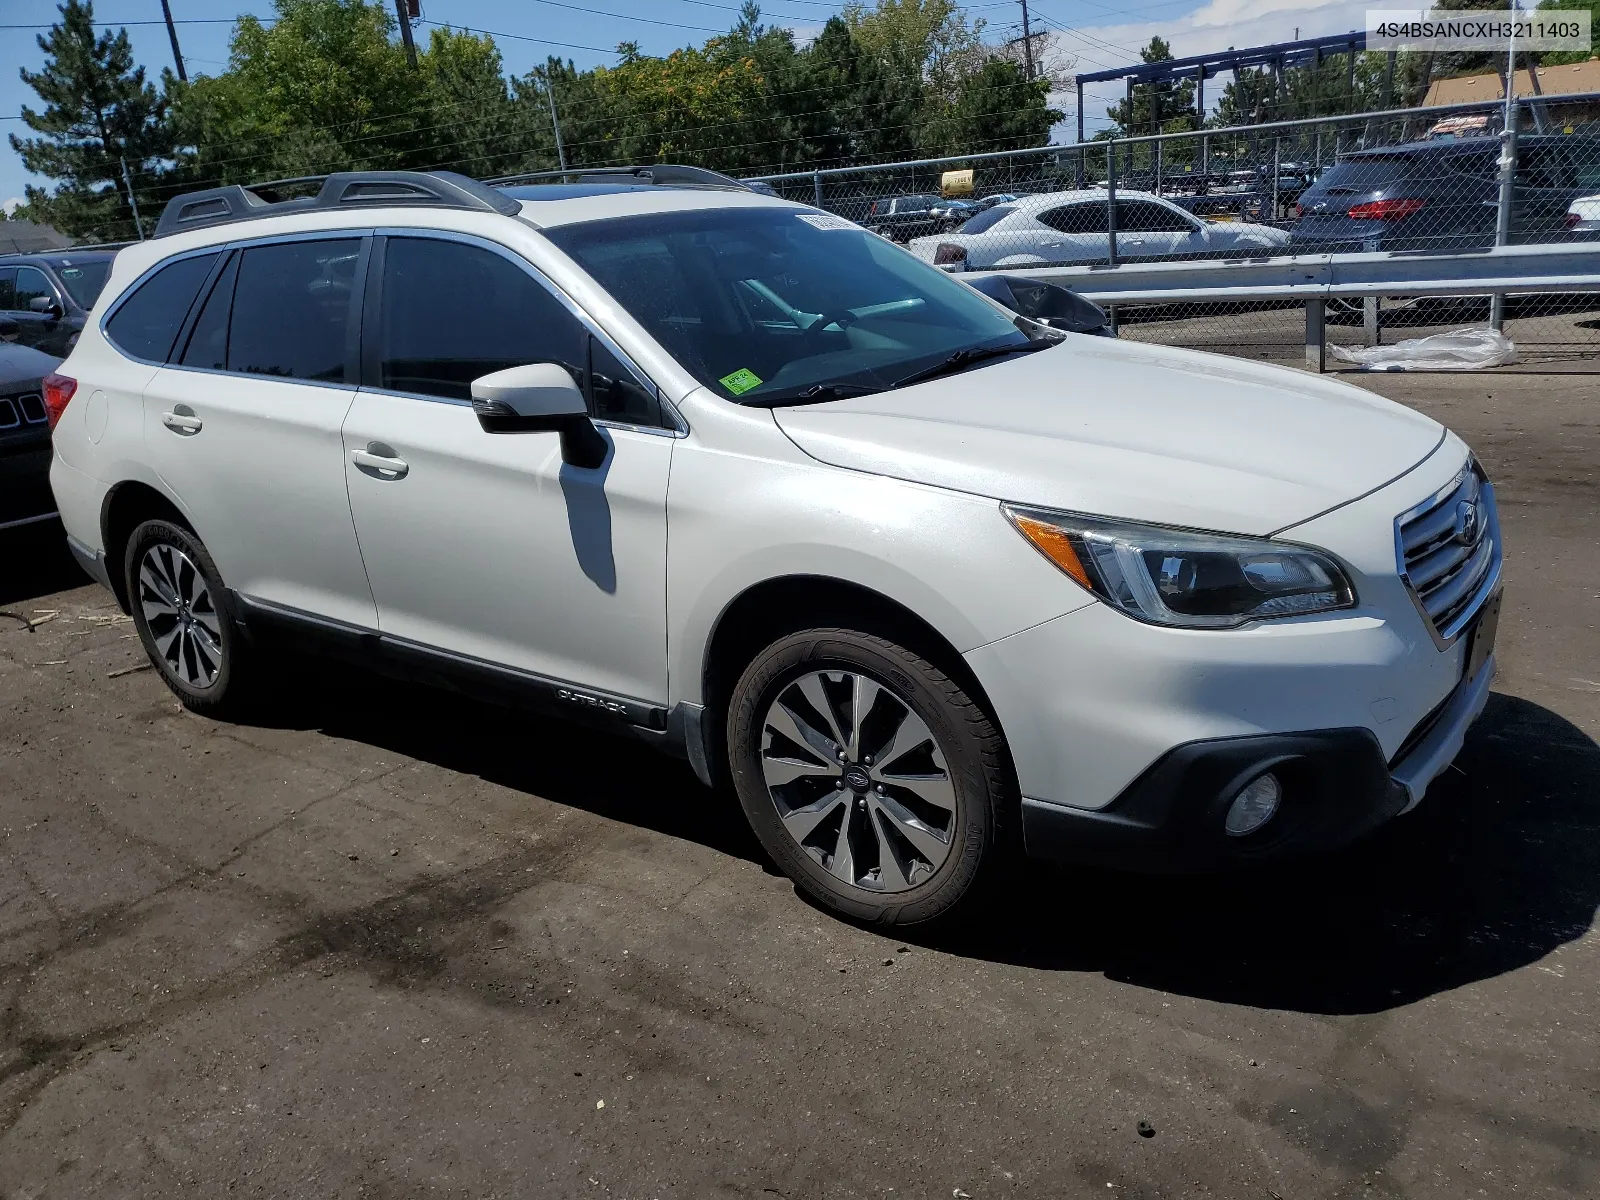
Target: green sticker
741,381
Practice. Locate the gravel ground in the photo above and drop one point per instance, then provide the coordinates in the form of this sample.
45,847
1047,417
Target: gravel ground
395,944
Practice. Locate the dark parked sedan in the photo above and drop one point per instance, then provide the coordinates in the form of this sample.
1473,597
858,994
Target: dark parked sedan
1443,195
24,432
49,295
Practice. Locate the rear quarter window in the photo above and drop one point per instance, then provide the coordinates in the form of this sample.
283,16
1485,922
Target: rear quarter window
146,324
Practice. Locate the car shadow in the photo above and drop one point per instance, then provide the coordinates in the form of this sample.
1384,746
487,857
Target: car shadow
1497,868
38,563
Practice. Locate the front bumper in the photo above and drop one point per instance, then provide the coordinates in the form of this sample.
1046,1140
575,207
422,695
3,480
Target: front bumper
1336,788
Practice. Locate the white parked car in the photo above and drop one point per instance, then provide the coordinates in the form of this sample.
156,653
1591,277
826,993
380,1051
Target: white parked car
1583,215
1068,228
931,585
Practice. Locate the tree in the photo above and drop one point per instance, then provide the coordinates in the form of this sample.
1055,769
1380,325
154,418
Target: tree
996,108
1552,57
932,37
1164,107
103,124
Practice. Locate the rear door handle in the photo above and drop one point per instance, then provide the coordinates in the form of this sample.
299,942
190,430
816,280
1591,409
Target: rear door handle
181,420
379,461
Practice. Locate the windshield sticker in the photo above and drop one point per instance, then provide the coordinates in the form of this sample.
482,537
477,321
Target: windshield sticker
827,221
741,381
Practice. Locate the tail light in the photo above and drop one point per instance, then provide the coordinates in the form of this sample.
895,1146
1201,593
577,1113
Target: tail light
1574,220
1385,210
1298,212
58,390
948,254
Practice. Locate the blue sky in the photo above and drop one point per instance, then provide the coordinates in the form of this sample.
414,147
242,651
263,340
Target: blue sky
1092,33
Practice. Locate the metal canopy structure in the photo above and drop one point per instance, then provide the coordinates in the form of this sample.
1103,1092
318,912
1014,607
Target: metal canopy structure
1201,67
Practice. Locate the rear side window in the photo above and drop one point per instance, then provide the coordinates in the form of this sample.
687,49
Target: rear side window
291,310
146,324
1076,218
986,218
1141,216
8,288
450,312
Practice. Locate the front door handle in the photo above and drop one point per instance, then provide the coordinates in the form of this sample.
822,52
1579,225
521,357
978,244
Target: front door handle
379,461
181,420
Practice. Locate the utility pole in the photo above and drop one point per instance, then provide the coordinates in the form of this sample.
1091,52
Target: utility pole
133,201
1027,40
403,10
172,32
555,121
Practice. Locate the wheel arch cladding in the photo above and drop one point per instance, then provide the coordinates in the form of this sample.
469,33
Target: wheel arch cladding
127,506
768,610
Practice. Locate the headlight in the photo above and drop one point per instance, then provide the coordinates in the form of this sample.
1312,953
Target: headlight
1175,577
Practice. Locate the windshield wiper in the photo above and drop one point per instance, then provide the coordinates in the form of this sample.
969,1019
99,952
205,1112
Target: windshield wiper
817,393
965,358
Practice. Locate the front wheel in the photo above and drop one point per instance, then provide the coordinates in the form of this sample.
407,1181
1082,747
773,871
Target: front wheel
872,778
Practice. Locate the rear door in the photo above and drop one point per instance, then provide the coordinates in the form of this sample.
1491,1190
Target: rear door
1080,233
244,423
1146,229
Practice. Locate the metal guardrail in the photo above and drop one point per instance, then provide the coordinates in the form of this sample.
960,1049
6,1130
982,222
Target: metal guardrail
1316,279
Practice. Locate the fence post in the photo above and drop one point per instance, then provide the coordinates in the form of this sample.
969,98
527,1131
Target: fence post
1371,323
1111,202
1079,157
1158,167
816,187
1317,335
1277,157
1502,218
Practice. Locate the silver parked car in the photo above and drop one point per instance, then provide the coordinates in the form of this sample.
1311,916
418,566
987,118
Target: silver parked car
1063,228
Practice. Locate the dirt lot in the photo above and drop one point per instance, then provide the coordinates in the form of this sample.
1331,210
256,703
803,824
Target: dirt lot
394,944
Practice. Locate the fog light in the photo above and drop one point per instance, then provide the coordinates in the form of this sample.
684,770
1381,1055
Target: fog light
1253,806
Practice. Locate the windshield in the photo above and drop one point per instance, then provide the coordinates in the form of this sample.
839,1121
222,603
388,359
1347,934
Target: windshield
764,304
84,280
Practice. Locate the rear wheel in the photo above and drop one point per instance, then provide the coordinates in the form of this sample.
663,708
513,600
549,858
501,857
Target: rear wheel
871,777
181,613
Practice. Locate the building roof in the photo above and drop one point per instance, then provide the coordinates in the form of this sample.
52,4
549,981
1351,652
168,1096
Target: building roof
1563,80
28,237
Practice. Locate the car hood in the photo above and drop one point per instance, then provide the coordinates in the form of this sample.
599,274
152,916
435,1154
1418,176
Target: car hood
23,365
1139,432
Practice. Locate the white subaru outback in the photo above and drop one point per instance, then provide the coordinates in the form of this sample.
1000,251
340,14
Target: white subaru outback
928,582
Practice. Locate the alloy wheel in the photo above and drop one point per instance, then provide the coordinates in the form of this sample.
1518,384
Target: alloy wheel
181,614
859,781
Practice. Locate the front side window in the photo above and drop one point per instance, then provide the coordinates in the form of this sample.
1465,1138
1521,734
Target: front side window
779,305
146,324
32,285
451,312
291,310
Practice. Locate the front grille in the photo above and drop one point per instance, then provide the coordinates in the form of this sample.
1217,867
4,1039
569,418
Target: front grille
1450,551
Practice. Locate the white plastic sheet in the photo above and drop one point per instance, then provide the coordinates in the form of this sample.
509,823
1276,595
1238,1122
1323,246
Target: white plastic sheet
1458,350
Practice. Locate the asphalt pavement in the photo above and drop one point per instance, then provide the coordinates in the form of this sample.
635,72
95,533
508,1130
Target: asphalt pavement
391,943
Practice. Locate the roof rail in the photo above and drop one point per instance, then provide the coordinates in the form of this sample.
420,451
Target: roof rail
342,190
658,174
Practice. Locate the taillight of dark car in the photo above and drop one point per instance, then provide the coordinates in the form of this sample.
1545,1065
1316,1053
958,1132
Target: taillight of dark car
947,254
58,390
1385,210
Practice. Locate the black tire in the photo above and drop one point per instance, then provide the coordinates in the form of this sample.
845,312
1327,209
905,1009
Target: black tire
212,634
972,748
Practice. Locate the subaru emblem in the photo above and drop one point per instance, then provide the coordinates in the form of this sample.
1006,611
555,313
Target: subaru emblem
1466,524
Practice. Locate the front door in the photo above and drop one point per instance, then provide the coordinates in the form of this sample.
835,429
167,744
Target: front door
243,425
488,545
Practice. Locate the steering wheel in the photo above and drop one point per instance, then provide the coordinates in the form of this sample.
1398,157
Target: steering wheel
843,318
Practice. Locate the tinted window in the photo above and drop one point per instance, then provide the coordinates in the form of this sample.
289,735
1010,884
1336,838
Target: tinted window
1365,174
1076,218
208,343
764,303
31,286
615,392
291,310
8,287
452,312
147,322
85,281
1140,216
987,218
1546,167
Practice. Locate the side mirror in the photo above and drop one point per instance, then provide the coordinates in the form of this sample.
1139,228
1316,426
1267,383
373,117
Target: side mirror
45,304
539,397
1047,303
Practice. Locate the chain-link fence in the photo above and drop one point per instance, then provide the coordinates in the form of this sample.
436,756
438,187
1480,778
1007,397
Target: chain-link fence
1410,180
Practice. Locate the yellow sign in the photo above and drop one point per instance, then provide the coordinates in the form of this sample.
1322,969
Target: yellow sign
956,183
